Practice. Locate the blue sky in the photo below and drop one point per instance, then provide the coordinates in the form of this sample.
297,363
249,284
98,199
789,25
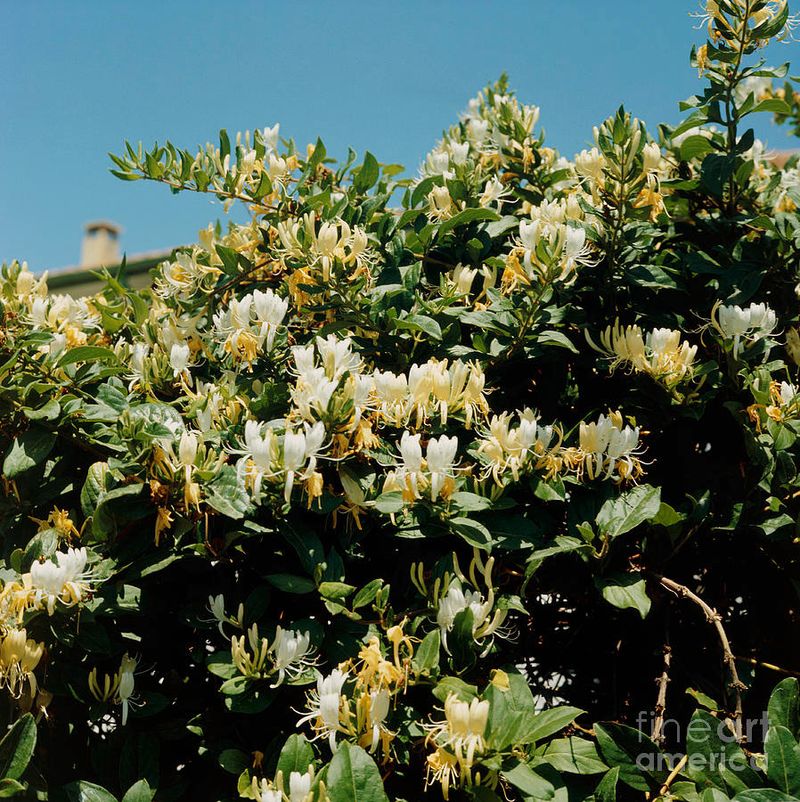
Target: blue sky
80,77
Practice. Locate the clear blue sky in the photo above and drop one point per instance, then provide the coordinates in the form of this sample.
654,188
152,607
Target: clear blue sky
80,77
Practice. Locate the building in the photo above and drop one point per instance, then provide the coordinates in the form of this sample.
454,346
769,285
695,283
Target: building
100,249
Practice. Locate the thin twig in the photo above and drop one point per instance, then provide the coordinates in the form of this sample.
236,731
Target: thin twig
735,685
672,775
657,733
770,666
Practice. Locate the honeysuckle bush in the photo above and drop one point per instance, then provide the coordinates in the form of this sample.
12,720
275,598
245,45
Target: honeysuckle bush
410,488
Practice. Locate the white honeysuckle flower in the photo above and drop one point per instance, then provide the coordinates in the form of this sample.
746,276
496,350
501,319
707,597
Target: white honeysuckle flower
324,705
609,449
661,353
651,156
269,312
26,281
56,345
260,451
337,356
290,652
590,164
512,449
575,249
187,449
494,192
440,204
736,323
477,131
277,168
466,727
304,358
127,669
300,785
138,354
438,163
63,579
39,313
300,449
312,393
179,359
411,452
378,710
459,151
440,456
270,136
462,278
787,393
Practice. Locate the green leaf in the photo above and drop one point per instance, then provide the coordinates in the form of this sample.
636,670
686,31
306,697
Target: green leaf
716,171
465,217
625,512
606,790
548,722
572,755
367,594
291,583
389,503
626,591
448,685
641,763
296,755
87,353
531,784
227,494
784,705
118,507
422,323
354,777
139,792
28,450
88,792
470,502
476,534
694,146
234,761
703,699
772,104
94,486
9,787
49,411
714,758
763,795
556,338
783,760
335,590
16,748
426,658
367,174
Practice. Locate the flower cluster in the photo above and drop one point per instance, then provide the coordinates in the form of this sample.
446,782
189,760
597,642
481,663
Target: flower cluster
735,324
289,654
660,353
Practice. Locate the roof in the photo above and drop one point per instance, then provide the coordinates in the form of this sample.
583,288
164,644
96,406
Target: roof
84,280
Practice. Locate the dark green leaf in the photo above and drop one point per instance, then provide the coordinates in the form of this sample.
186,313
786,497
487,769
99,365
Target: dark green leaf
354,777
16,748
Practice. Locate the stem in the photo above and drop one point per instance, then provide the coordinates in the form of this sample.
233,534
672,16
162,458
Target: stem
731,117
657,733
218,192
672,775
735,685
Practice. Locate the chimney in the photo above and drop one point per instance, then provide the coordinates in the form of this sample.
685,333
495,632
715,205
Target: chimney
100,246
